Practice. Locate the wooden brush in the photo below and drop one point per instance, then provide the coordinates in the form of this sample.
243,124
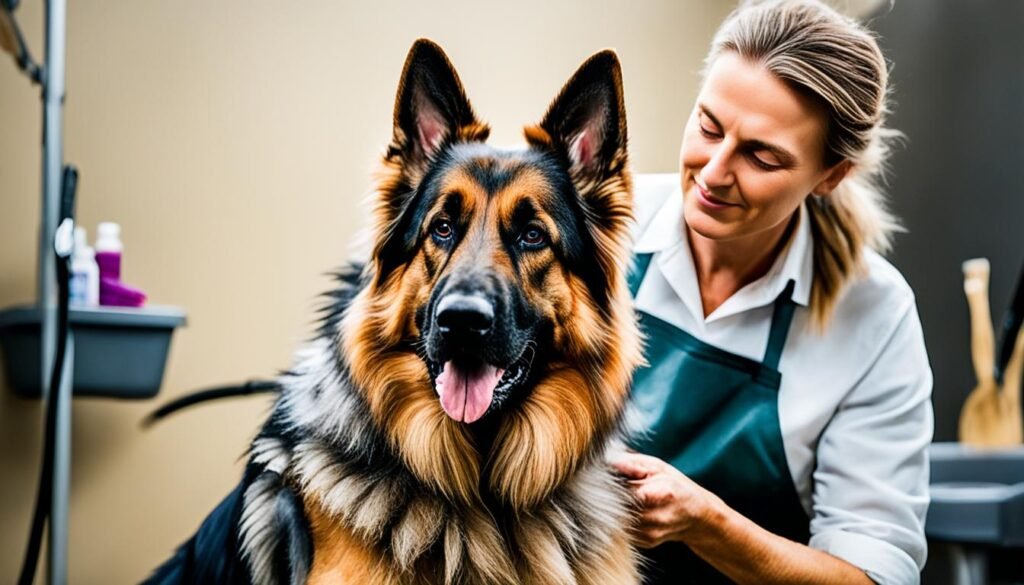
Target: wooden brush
991,415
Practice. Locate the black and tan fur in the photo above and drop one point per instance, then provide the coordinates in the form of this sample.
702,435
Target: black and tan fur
359,476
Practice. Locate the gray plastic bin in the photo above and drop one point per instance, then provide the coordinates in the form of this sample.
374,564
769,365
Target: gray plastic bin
119,353
977,495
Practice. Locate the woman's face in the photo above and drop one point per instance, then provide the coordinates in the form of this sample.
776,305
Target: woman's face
753,149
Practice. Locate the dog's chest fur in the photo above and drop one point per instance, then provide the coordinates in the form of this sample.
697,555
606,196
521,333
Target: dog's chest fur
340,506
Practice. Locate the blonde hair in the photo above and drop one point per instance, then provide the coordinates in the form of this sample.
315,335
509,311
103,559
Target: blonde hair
833,58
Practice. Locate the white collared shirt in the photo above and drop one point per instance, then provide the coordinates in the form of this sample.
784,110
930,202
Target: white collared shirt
855,401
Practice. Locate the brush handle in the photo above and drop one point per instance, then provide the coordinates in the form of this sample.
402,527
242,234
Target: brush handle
976,275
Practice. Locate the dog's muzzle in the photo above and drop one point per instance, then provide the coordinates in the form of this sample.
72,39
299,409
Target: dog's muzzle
475,354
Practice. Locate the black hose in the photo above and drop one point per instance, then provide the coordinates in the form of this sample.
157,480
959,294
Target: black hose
250,387
44,491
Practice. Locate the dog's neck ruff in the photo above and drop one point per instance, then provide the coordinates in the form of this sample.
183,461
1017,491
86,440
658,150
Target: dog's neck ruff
322,445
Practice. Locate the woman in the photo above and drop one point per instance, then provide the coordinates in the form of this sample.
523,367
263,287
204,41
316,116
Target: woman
788,399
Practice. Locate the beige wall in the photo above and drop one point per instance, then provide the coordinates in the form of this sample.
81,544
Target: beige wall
234,142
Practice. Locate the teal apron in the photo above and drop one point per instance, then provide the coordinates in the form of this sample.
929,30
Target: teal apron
714,415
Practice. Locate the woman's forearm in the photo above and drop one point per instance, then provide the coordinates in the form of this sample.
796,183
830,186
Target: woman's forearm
766,558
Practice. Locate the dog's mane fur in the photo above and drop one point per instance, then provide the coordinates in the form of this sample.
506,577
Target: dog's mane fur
321,443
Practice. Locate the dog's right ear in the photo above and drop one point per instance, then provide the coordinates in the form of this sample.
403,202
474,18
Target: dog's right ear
431,111
431,107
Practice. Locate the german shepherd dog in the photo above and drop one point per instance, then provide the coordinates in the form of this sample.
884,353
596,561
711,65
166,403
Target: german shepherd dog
449,422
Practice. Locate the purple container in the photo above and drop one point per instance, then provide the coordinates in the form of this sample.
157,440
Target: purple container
110,265
118,294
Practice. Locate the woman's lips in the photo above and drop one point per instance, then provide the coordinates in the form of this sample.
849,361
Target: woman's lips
710,201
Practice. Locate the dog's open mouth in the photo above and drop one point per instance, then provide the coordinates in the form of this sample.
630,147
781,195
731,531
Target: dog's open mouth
467,389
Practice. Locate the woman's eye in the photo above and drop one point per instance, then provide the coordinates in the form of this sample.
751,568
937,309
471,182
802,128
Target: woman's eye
442,229
706,129
533,238
708,133
767,162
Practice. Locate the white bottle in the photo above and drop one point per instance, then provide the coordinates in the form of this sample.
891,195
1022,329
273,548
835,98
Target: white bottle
84,289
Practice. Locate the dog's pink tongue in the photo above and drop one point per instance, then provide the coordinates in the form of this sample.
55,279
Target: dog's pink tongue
466,395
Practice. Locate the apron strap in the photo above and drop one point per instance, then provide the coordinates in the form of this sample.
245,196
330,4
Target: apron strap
782,316
636,274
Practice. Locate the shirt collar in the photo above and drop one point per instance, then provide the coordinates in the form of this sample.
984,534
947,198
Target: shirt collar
666,233
666,228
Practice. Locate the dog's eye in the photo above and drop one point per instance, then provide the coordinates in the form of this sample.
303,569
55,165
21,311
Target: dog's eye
533,237
442,229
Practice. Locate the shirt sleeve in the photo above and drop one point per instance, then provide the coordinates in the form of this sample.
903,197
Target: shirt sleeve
870,488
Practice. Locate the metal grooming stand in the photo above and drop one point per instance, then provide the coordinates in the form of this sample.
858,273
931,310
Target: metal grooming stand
143,333
53,164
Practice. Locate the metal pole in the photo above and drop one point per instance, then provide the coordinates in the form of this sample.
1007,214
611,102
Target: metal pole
53,163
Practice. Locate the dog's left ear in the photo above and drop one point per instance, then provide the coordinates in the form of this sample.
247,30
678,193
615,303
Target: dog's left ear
431,107
587,122
586,127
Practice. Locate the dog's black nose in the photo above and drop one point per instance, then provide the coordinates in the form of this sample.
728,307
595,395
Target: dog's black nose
461,315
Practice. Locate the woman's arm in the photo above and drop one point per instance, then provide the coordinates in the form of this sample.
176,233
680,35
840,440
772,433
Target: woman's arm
675,508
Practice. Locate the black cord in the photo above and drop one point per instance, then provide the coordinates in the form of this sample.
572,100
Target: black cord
250,387
44,491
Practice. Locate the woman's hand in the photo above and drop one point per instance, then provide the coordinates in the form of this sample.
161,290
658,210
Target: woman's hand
675,508
672,505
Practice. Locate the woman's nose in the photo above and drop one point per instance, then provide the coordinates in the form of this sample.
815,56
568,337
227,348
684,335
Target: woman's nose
717,172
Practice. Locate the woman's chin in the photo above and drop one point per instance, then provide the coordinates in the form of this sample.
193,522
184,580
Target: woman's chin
708,226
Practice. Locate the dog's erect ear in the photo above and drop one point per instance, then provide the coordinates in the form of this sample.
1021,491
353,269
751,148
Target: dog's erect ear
587,121
431,106
586,128
431,111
